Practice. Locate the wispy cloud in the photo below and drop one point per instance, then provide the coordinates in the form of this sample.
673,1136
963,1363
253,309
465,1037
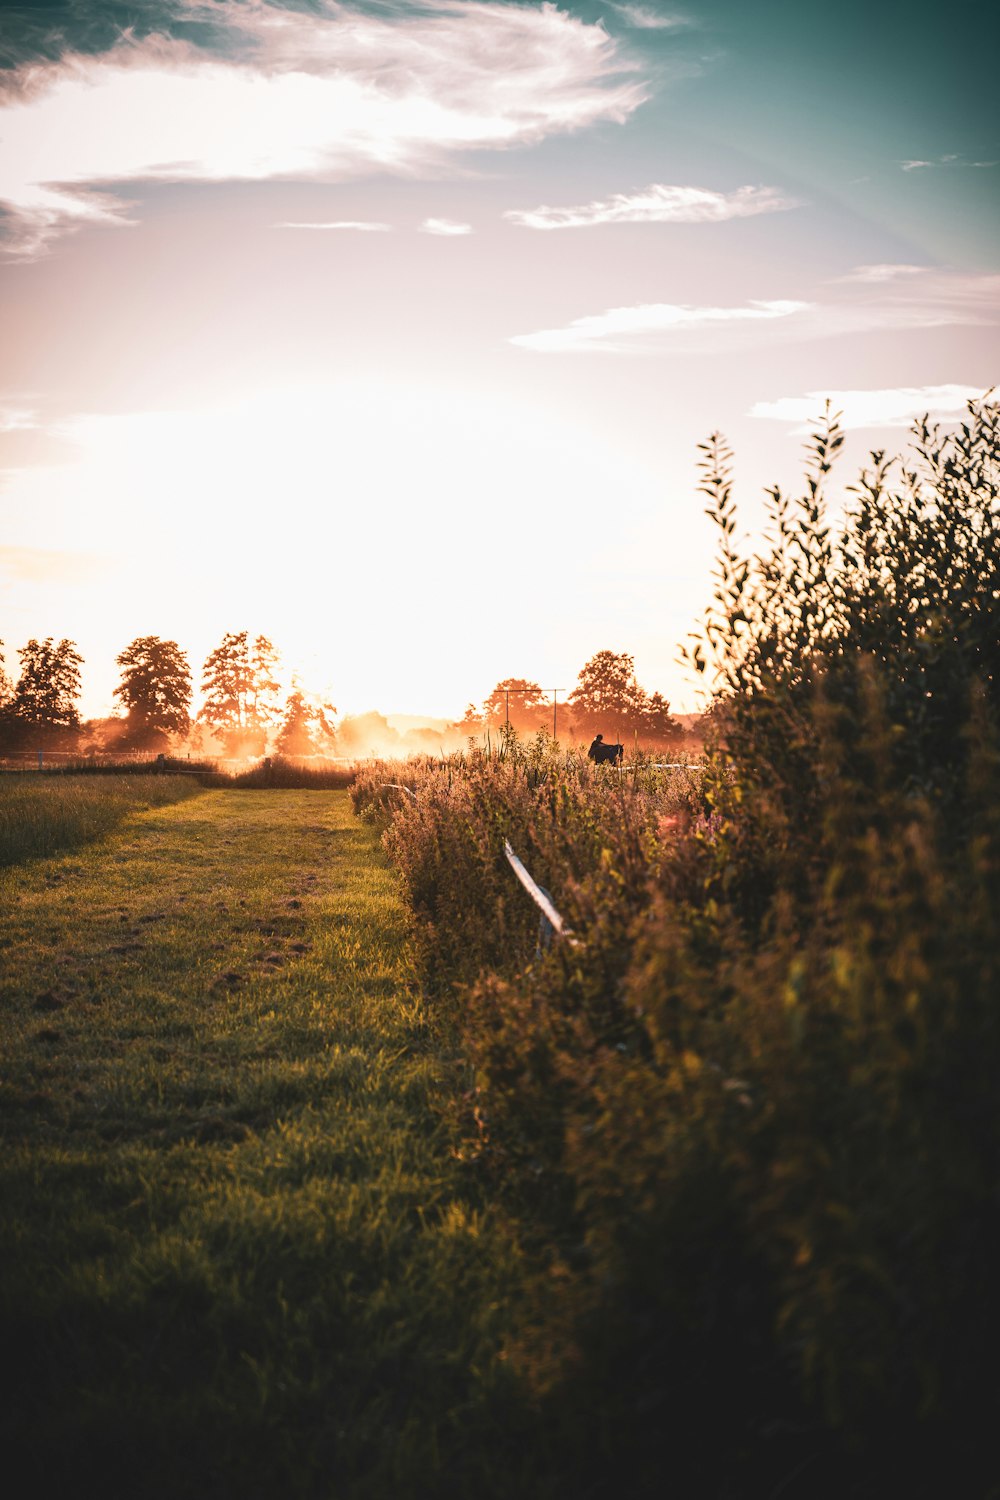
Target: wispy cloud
444,227
879,274
871,299
627,329
40,565
325,94
904,296
364,226
18,419
657,204
951,160
894,407
644,18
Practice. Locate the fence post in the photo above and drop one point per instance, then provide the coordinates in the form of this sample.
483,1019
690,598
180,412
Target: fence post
540,897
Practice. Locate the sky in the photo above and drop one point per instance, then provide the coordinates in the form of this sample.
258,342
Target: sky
390,330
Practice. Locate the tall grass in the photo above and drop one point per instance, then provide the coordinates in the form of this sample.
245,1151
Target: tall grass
287,773
40,814
588,834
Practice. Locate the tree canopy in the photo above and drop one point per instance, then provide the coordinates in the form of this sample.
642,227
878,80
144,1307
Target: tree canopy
608,700
240,691
528,705
155,690
305,729
44,703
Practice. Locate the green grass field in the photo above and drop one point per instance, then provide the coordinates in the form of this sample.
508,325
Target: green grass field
239,1256
40,814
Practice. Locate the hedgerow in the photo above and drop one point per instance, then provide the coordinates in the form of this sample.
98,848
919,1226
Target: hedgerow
747,1110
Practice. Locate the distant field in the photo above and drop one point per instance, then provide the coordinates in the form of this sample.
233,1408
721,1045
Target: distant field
238,1255
40,814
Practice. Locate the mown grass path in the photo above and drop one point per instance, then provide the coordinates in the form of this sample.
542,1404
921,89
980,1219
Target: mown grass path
238,1256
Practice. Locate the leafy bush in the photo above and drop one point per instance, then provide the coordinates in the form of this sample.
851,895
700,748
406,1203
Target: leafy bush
586,833
748,1116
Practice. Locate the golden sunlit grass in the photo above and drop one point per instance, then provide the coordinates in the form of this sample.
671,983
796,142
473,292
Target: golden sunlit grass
39,814
239,1256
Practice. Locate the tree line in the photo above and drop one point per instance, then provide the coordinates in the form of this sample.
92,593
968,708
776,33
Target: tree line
242,706
244,713
607,699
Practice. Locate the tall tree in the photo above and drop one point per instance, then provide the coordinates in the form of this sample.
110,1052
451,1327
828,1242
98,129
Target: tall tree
305,729
8,724
529,708
295,735
658,723
227,682
45,699
262,708
155,690
607,699
240,691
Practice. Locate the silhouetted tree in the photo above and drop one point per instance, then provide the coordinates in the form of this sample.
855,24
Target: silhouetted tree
295,736
8,725
607,699
657,722
155,690
529,707
227,683
263,709
471,721
240,691
43,705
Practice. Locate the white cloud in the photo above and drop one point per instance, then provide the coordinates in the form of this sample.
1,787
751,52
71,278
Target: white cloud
366,226
642,18
896,407
325,94
951,160
880,273
445,227
900,297
872,299
657,204
618,330
18,419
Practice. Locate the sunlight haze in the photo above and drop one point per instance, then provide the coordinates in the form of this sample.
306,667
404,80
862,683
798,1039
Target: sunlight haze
390,330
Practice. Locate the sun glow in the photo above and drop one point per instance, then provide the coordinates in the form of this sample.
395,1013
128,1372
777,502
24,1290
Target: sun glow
372,531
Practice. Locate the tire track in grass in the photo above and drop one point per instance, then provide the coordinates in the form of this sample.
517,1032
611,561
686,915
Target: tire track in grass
237,1252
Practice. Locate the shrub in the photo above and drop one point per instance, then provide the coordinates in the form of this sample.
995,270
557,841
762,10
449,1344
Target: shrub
748,1116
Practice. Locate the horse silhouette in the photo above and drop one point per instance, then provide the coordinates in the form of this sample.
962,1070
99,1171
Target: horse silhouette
602,754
